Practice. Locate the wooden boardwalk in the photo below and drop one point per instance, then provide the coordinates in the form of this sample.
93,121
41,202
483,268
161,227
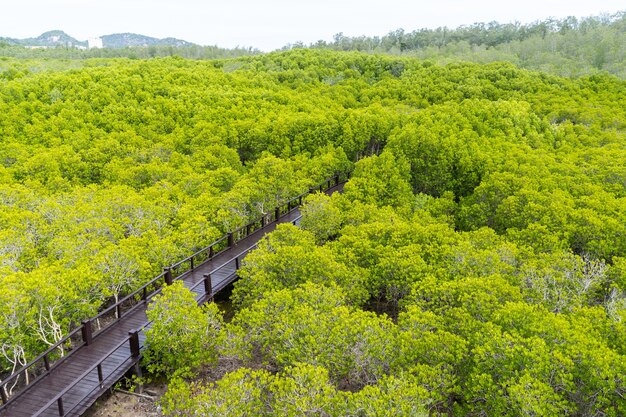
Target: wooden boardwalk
71,386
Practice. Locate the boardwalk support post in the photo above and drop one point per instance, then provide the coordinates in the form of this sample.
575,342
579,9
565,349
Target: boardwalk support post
87,332
231,240
208,285
168,275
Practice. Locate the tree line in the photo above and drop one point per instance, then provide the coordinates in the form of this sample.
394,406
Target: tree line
568,47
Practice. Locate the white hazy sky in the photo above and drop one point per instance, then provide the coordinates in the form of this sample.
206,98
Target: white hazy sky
270,24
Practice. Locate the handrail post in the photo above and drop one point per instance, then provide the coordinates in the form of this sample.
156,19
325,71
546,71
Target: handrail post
87,332
277,212
237,263
208,285
60,405
168,275
133,340
191,264
135,352
231,240
248,229
100,376
211,252
262,221
336,180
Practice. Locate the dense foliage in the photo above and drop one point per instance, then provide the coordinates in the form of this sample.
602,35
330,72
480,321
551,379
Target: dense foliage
474,264
110,172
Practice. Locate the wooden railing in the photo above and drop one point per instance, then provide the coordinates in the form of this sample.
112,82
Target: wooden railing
94,326
104,380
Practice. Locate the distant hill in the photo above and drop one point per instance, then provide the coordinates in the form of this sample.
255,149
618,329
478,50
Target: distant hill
123,40
49,39
56,38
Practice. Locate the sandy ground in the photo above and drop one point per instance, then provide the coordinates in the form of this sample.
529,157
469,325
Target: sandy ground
123,404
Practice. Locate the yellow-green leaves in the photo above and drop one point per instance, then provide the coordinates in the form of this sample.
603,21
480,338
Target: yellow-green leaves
382,181
311,324
182,336
321,217
289,257
299,390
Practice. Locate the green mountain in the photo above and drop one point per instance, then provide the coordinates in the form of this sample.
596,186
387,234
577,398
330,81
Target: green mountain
48,39
55,38
123,40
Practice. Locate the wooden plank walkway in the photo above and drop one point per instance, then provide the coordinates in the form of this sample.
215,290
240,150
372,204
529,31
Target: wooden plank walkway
73,385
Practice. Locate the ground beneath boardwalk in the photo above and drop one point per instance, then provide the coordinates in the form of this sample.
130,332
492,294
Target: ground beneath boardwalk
123,404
